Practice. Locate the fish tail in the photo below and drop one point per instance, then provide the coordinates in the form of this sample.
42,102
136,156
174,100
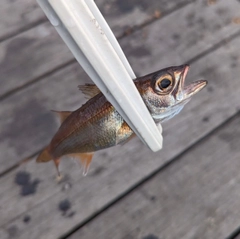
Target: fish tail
44,156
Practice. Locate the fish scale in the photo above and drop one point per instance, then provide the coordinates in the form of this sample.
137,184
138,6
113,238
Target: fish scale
97,125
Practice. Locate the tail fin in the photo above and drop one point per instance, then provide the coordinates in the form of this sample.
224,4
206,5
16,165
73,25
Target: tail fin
44,156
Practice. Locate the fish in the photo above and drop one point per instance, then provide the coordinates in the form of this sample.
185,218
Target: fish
97,124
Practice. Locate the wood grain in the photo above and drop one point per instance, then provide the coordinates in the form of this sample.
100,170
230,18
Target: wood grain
237,237
33,205
121,15
30,55
16,17
31,190
124,17
28,111
196,197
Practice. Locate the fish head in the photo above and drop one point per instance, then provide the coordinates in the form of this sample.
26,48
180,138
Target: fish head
165,93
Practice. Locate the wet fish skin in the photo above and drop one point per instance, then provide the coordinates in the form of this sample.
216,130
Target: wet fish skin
97,125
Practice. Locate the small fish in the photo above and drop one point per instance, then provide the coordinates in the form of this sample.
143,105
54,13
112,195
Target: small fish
97,125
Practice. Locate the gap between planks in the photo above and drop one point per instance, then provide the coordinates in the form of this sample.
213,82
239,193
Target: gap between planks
197,197
39,78
209,129
151,176
22,29
222,55
60,55
235,234
136,27
156,16
194,59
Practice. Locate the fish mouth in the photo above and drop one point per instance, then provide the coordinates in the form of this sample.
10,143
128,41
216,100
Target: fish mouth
192,88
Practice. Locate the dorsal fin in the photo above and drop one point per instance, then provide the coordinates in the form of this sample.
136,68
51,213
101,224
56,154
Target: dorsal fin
89,90
62,114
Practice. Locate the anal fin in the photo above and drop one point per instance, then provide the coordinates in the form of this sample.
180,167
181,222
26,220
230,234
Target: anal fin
85,159
59,175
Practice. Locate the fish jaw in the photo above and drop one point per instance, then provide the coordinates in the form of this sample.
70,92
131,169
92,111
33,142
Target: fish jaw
164,104
170,112
194,88
184,92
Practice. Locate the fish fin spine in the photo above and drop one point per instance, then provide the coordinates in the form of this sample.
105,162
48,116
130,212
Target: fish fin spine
85,159
44,156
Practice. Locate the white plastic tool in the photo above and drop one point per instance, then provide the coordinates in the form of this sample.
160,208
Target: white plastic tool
86,33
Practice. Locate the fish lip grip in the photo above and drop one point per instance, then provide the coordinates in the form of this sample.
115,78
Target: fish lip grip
88,36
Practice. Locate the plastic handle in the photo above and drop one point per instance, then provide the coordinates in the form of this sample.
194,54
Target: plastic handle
88,36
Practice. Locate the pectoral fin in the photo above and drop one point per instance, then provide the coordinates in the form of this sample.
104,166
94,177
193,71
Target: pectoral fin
85,159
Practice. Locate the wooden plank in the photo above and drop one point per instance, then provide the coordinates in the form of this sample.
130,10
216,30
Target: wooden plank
38,51
196,197
34,103
126,16
54,208
121,15
29,115
237,237
15,17
29,55
173,40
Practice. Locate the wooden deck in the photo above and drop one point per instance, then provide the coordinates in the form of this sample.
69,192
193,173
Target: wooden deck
188,190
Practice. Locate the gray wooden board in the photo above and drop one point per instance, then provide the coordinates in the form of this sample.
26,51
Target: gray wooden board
16,16
25,116
121,15
38,51
237,237
30,190
124,15
196,197
30,55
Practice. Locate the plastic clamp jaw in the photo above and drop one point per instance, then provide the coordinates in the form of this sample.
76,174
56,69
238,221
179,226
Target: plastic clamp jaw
93,44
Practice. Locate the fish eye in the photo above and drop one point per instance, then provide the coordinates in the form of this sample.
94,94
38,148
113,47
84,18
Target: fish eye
164,83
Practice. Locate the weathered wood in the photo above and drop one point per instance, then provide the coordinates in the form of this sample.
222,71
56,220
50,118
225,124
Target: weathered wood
38,51
30,55
126,16
237,237
174,40
196,197
59,91
121,15
56,208
17,16
26,116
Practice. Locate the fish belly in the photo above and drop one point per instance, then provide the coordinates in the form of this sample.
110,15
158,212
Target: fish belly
99,132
